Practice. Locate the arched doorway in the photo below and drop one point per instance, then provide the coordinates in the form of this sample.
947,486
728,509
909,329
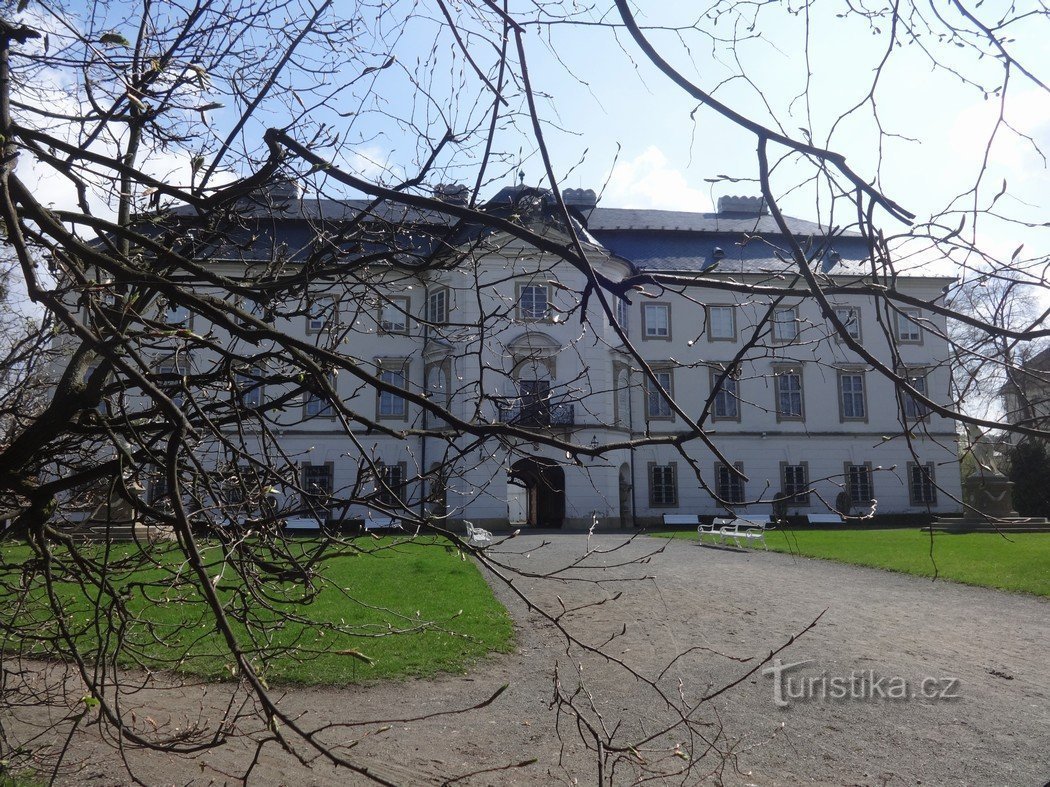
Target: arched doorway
544,484
626,507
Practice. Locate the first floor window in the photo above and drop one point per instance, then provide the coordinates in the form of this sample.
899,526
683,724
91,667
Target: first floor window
391,487
908,330
859,485
393,315
921,487
318,485
656,321
795,484
729,486
317,403
788,389
721,323
390,404
851,396
785,324
663,485
532,303
437,306
849,316
623,312
657,404
727,398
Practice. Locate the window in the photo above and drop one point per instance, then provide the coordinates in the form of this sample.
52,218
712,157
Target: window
170,380
726,406
859,484
908,330
913,408
658,405
794,482
729,486
393,315
623,314
721,323
179,316
318,485
656,321
158,488
849,316
921,487
785,325
852,406
317,404
438,306
663,485
390,405
321,316
249,388
788,385
533,302
390,489
437,384
621,396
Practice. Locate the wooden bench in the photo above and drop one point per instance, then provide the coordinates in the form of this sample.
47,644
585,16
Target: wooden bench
825,519
744,528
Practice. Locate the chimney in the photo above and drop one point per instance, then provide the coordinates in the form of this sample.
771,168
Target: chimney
581,199
452,193
742,206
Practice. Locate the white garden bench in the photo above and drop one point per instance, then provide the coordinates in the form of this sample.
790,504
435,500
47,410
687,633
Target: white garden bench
681,520
478,536
825,519
744,529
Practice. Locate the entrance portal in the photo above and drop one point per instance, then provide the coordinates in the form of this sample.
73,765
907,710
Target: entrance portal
544,492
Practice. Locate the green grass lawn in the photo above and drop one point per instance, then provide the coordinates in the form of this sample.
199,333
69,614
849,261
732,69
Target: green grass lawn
395,608
1018,562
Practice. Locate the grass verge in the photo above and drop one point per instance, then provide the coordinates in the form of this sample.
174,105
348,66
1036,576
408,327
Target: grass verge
1018,562
394,608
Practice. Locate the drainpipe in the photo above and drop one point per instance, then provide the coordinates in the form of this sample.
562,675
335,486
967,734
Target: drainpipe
630,427
426,413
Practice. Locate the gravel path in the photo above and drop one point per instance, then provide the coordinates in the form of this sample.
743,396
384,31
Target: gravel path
700,602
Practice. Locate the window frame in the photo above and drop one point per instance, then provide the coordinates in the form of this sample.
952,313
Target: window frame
669,485
729,487
778,325
325,407
389,494
842,376
653,396
329,493
621,395
926,485
657,306
913,409
728,379
327,311
797,498
855,322
445,294
385,400
780,373
869,476
401,306
908,316
622,315
721,307
522,316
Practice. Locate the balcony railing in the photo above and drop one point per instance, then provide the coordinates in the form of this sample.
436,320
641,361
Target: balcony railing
518,413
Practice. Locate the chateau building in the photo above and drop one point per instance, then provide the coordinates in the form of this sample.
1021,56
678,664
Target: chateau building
496,330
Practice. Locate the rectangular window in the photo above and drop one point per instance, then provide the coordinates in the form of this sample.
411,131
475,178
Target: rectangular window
852,406
859,485
438,306
785,324
788,385
249,388
317,404
721,323
321,316
663,485
390,489
658,405
533,302
158,488
623,314
849,316
170,379
728,485
794,482
318,485
726,405
908,330
656,320
390,404
913,408
178,316
921,487
393,315
535,398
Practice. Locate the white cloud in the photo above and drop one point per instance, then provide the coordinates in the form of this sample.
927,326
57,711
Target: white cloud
649,181
1027,111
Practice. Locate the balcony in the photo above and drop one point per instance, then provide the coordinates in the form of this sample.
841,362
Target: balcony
546,413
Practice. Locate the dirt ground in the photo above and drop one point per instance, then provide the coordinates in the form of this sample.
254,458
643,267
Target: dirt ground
985,651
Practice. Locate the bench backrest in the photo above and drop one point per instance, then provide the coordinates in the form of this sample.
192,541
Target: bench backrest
681,519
